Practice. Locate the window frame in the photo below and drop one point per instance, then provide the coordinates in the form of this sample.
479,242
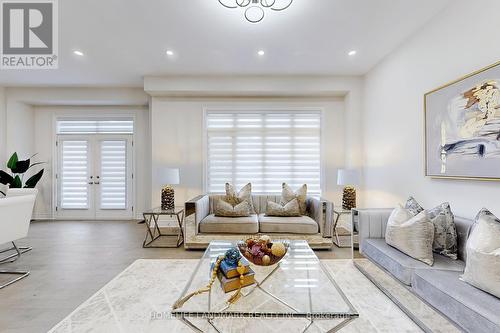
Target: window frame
260,109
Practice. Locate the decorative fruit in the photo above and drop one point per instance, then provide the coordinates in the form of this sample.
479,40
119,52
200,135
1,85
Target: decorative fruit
266,260
278,249
265,238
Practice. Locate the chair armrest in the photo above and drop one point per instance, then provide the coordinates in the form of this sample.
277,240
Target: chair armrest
321,211
371,223
200,207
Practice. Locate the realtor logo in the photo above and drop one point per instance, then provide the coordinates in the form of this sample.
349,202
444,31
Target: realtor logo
29,34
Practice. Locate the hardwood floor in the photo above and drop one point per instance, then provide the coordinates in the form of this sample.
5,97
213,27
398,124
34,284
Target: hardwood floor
70,261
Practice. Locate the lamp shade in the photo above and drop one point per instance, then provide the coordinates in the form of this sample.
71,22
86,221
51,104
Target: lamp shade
169,176
347,177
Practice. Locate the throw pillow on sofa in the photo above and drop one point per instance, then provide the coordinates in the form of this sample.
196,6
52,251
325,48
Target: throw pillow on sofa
412,235
445,233
482,267
287,195
290,209
244,195
225,209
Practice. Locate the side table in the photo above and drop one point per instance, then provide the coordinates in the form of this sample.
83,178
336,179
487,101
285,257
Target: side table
153,232
345,232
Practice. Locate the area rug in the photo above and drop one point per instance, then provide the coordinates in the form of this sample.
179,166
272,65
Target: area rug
139,299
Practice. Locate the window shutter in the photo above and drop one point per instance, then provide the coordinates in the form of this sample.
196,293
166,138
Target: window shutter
113,177
74,174
95,126
265,148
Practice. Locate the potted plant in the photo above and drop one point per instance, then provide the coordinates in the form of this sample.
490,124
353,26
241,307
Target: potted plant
15,179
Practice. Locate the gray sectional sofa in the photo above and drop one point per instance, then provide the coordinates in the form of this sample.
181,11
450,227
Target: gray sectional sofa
202,225
470,308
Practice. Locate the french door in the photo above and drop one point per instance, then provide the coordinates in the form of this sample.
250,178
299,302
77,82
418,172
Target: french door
94,177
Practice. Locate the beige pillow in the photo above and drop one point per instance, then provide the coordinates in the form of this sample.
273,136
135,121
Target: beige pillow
287,195
245,194
276,209
225,209
412,235
482,267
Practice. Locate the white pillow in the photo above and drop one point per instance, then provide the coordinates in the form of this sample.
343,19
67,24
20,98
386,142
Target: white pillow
412,235
482,268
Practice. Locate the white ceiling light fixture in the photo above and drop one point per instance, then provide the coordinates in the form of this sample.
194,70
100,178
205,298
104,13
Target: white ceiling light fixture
255,9
170,52
261,52
78,53
352,53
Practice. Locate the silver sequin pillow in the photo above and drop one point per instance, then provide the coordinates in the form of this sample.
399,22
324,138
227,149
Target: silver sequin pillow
290,209
287,195
482,267
445,233
413,206
225,209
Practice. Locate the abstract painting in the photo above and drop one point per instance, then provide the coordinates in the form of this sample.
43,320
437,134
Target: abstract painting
462,127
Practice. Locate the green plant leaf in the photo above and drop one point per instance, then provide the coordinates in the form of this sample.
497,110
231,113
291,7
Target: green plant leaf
17,183
11,164
35,164
5,178
33,180
21,166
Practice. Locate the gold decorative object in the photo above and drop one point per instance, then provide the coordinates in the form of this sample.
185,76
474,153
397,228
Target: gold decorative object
349,198
262,251
278,249
167,198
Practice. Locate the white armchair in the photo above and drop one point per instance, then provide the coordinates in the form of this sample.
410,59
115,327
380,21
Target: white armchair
15,217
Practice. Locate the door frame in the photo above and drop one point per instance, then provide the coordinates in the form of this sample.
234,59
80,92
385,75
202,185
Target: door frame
55,163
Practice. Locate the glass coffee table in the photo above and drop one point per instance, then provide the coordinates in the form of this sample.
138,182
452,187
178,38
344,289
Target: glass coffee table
298,292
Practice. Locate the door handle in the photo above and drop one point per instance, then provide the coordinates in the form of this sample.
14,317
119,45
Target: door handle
97,183
91,183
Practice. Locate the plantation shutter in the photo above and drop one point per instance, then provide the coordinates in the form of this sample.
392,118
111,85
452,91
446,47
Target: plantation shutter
265,148
113,176
74,192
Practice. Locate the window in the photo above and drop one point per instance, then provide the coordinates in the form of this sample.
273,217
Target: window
265,148
95,126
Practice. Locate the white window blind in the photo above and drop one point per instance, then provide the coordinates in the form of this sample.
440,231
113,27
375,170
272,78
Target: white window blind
95,126
74,174
113,179
265,148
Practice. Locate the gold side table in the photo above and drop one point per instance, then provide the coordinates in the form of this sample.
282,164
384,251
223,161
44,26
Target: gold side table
345,232
153,232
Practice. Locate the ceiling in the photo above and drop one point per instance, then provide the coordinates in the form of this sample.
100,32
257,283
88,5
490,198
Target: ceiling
125,40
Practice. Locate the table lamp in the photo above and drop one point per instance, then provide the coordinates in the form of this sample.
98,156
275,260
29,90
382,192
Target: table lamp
168,177
348,178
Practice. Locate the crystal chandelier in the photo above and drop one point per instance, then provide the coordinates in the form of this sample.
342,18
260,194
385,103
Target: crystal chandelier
255,9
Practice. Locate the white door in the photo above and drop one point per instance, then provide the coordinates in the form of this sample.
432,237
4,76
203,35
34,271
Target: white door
95,177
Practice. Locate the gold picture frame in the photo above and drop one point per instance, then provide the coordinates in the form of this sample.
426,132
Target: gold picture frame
455,88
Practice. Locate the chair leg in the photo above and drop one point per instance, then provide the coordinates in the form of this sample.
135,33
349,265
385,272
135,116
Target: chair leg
22,275
19,250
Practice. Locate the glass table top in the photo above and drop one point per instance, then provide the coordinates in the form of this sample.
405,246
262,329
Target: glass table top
159,211
299,286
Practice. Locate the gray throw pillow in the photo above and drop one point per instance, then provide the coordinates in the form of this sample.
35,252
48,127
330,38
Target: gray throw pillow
287,195
445,233
225,209
412,235
245,194
290,209
482,267
413,206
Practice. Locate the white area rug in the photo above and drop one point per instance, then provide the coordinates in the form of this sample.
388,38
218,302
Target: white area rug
139,300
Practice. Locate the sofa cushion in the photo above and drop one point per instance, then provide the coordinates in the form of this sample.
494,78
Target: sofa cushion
293,225
471,308
290,209
230,225
399,264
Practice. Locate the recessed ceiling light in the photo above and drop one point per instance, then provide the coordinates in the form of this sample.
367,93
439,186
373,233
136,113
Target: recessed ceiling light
353,52
78,53
170,52
261,52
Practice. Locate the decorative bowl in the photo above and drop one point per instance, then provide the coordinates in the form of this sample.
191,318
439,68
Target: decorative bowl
262,251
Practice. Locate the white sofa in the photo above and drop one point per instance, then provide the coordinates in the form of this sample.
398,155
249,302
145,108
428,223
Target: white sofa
202,225
15,217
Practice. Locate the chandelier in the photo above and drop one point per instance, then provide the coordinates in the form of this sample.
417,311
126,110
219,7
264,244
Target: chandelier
255,9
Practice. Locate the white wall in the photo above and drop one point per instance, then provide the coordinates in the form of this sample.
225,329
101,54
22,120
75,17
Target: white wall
177,138
29,115
3,127
456,42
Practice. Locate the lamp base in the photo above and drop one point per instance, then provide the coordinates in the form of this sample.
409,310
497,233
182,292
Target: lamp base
167,198
349,198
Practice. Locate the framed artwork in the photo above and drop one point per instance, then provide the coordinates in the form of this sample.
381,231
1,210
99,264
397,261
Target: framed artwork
462,127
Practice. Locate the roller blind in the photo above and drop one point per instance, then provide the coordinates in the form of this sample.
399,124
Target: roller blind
74,193
265,148
95,126
113,179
